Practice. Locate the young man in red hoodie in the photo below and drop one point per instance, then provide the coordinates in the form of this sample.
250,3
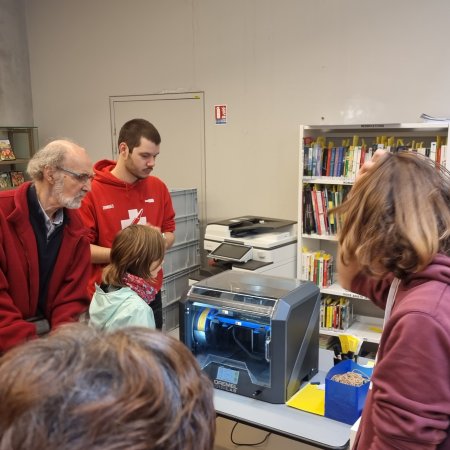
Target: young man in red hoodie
124,193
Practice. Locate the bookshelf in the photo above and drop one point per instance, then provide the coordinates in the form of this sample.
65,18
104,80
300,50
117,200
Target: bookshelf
24,143
329,157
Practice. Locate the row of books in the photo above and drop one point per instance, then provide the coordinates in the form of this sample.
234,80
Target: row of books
318,268
318,200
6,151
11,179
336,313
321,159
435,152
335,161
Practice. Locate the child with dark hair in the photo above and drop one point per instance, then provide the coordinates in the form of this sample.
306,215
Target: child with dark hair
127,289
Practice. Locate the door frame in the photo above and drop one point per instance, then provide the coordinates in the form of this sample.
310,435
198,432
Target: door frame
169,96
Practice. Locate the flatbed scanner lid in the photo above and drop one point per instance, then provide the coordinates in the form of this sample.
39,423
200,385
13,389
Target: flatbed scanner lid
257,231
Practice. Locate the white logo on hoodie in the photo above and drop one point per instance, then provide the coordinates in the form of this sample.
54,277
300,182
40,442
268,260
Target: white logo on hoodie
134,217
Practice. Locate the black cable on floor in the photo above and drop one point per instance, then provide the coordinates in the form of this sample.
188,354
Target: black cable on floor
247,444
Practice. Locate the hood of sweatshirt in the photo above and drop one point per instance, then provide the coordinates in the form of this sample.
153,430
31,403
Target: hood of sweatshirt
107,305
102,170
437,270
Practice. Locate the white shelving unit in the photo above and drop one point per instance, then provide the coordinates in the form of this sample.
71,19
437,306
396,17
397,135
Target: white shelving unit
364,327
368,318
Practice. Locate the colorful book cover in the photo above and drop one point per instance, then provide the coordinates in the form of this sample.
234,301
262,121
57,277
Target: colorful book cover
17,178
5,180
6,152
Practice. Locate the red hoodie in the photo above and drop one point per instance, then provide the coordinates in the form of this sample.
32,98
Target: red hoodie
408,407
112,204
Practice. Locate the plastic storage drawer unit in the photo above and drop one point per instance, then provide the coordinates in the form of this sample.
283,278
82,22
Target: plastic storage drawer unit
175,286
184,201
186,229
180,257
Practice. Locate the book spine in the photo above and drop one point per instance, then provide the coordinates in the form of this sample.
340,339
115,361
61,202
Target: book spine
316,211
333,157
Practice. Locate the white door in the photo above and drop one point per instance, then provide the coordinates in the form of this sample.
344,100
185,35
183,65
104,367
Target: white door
180,120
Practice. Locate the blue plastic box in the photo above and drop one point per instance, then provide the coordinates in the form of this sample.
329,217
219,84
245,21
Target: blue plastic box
344,402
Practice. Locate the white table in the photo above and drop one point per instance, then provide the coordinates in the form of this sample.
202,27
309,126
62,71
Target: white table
283,420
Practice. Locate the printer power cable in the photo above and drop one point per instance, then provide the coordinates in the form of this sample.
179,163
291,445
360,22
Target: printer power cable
248,444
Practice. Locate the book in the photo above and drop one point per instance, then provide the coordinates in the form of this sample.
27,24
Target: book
306,264
316,211
314,160
5,180
309,225
309,161
17,178
432,153
444,155
340,162
332,159
324,161
6,152
320,212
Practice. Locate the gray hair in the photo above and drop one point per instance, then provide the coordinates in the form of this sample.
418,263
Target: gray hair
53,155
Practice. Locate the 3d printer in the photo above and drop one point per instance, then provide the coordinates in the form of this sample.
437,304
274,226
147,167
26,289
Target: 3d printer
253,334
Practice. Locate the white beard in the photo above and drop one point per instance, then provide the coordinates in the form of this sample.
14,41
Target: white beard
64,201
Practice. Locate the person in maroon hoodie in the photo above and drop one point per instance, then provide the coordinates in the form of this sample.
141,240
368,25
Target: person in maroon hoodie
394,248
44,252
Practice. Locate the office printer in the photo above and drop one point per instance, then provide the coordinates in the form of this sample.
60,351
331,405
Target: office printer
252,243
255,335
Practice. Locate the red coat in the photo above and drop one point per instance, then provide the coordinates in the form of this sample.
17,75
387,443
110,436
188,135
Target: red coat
19,271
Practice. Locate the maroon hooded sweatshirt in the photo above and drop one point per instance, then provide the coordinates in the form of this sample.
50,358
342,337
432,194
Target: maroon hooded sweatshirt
408,407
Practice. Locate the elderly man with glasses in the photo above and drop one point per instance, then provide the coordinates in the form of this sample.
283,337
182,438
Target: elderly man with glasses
44,253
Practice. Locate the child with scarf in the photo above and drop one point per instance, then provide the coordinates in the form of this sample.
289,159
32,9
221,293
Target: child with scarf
123,298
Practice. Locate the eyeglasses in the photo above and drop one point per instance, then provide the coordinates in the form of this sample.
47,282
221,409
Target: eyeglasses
82,178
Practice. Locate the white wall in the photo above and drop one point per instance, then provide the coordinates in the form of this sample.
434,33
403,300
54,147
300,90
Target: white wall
276,64
15,88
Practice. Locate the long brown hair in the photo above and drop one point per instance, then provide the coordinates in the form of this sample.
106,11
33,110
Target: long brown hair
397,217
134,250
80,388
